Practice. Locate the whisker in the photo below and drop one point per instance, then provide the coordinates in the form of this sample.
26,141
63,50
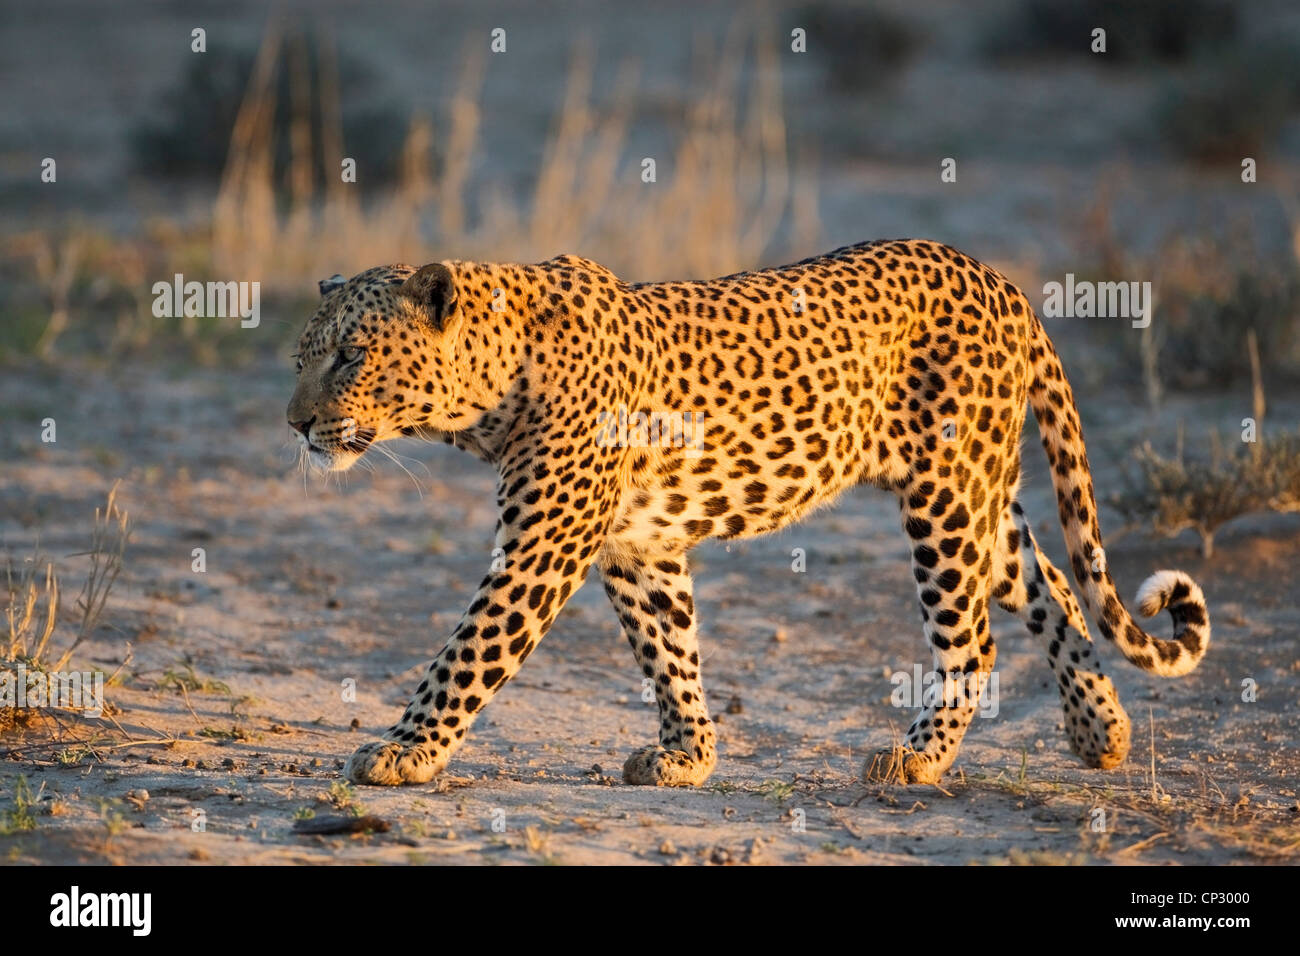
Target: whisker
393,458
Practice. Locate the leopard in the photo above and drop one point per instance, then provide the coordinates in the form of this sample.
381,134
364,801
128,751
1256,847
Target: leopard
905,365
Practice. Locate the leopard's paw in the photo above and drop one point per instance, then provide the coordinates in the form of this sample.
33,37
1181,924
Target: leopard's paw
1099,736
901,765
657,767
385,763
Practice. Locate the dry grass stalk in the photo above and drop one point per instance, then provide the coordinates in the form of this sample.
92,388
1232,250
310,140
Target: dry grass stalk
107,550
30,631
1258,405
56,268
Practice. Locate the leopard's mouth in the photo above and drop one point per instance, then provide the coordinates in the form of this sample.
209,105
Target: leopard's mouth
338,455
328,459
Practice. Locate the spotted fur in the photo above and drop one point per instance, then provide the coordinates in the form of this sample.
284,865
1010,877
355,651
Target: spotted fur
902,364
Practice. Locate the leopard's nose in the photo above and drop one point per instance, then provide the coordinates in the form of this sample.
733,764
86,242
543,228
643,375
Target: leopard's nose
303,428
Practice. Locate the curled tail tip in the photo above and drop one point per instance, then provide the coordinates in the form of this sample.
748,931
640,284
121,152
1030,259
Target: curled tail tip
1168,589
1182,597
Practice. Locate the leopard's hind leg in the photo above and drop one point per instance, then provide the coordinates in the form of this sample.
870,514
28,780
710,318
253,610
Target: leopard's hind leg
1029,586
952,555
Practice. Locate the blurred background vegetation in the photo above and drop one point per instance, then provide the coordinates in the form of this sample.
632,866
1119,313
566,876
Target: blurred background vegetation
1125,165
225,164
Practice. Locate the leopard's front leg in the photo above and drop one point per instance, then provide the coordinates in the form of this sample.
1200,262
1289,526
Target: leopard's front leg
549,549
510,613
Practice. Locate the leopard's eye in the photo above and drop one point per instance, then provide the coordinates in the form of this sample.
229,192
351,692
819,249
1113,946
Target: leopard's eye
350,354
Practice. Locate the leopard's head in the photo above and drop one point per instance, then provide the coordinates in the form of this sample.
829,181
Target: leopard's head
376,361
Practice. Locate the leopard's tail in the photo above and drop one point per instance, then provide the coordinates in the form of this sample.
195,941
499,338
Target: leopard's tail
1058,421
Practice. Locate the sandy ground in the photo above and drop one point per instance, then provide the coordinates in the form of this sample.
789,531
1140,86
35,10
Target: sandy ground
311,584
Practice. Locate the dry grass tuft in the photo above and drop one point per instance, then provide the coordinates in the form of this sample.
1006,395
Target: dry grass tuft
32,603
1174,494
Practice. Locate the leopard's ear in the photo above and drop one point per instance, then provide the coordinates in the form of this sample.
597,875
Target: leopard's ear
433,288
329,285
